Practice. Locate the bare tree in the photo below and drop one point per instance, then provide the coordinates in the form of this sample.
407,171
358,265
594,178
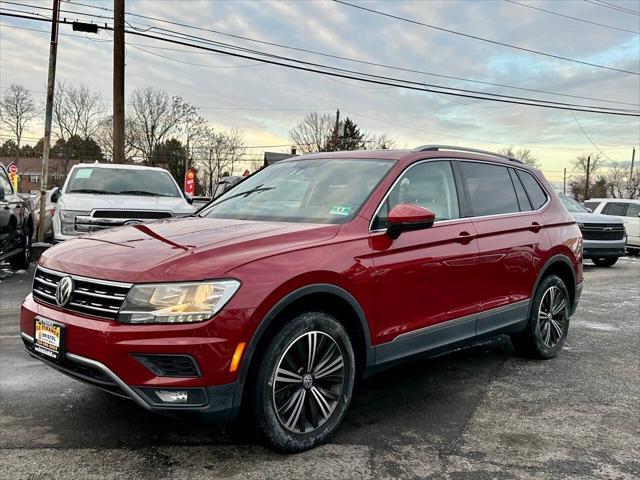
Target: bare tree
154,116
104,138
77,111
587,165
522,154
620,183
17,109
192,130
378,142
217,154
312,132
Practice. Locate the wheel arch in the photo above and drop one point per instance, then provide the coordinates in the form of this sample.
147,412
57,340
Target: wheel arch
561,266
323,297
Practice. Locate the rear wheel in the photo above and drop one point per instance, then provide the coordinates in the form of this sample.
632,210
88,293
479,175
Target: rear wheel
21,261
548,324
305,382
605,261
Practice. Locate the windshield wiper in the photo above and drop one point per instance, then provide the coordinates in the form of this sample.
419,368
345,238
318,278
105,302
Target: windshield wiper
246,193
141,192
90,190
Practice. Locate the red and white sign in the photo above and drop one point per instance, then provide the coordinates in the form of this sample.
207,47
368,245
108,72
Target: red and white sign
190,182
13,168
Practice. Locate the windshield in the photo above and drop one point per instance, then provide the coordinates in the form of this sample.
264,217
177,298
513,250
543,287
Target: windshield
314,191
572,205
122,181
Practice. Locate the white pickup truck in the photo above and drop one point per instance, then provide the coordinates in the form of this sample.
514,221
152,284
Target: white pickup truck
96,196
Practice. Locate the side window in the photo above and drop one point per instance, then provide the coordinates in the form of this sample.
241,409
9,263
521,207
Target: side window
536,194
615,208
591,205
6,185
523,200
490,189
430,185
633,210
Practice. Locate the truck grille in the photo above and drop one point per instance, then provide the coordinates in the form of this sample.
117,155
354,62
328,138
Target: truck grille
131,214
98,298
602,231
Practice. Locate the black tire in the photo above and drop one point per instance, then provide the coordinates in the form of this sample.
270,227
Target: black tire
605,261
276,386
545,336
22,260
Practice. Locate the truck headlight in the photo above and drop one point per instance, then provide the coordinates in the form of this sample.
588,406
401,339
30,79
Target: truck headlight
176,302
68,221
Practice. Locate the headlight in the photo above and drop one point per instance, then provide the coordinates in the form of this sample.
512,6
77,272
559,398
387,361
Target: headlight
176,302
68,220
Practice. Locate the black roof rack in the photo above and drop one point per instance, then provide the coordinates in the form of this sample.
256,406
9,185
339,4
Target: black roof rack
435,148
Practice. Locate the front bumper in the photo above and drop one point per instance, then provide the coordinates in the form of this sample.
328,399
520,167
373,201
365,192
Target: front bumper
603,248
101,353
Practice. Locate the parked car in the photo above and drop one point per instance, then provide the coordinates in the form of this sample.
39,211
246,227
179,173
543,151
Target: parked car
98,196
627,210
604,237
278,303
16,224
49,211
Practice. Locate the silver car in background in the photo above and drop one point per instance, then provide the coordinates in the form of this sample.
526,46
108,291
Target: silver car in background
604,236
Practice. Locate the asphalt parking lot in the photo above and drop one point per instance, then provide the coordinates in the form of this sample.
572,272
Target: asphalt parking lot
476,413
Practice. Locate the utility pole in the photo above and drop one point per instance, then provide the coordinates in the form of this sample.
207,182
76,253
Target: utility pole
51,82
586,187
118,81
564,182
633,157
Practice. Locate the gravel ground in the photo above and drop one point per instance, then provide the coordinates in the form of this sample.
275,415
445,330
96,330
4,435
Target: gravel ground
479,412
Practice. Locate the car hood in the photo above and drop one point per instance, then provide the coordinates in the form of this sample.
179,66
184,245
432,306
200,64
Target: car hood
586,217
190,248
87,202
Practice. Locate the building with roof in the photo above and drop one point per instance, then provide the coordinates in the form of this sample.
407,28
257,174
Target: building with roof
30,171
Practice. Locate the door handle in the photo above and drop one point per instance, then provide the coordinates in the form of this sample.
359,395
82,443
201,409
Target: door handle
535,227
464,237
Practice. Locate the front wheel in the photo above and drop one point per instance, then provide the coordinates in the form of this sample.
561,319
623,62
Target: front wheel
605,261
548,324
305,382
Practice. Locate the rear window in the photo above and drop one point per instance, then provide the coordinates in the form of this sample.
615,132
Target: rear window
536,194
490,189
591,205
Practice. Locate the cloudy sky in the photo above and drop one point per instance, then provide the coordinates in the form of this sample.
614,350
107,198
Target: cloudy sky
266,101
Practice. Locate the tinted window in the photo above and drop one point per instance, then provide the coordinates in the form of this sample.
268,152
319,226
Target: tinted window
633,210
490,189
523,200
591,205
6,185
327,190
430,185
536,194
615,208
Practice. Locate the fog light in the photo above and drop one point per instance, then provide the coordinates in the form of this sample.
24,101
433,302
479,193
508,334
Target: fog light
175,396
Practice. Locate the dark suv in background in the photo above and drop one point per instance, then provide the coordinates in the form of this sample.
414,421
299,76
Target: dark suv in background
16,224
312,273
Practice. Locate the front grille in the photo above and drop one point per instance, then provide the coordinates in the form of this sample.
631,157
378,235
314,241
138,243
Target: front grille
602,231
170,365
98,298
131,214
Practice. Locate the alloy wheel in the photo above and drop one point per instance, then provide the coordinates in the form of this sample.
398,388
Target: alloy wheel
309,381
552,316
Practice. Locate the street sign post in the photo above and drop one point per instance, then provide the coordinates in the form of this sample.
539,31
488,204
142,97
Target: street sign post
13,176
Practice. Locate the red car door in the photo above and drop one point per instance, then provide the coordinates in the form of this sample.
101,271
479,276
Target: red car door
511,241
425,278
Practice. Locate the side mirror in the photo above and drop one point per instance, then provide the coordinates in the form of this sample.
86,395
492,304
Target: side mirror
588,209
188,198
405,217
55,195
1,192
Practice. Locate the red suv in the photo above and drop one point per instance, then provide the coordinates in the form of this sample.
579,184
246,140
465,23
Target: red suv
309,274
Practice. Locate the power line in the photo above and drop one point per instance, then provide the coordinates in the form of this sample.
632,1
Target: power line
374,79
572,17
612,7
482,39
348,59
588,137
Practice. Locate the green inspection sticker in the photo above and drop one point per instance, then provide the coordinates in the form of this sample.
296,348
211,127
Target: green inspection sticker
340,210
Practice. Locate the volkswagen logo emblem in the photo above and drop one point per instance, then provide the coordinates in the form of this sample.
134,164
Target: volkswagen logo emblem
64,291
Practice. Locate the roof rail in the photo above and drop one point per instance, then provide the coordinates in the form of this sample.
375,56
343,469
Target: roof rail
435,148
